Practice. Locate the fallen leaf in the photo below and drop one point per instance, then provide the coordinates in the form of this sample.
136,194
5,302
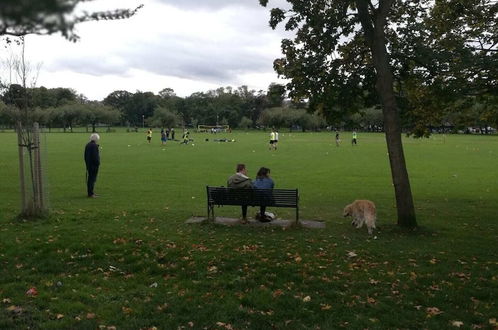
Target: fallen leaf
59,316
162,307
325,307
457,324
90,316
6,300
371,300
277,293
15,309
127,310
307,299
227,326
493,322
352,254
432,311
32,292
120,241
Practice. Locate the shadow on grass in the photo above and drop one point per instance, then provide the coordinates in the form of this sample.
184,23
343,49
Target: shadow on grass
422,231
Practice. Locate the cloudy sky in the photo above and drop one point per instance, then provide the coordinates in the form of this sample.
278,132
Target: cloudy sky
187,45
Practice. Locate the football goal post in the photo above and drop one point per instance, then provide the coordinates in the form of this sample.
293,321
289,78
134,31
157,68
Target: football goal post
213,129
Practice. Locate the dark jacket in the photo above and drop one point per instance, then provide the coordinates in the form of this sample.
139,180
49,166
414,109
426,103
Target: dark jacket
92,156
239,180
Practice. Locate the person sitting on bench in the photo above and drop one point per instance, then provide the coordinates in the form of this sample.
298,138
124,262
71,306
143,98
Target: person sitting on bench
263,181
240,180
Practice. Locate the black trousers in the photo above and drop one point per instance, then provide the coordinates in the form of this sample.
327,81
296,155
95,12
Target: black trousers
262,210
90,180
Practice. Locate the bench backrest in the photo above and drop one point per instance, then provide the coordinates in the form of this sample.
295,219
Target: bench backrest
252,197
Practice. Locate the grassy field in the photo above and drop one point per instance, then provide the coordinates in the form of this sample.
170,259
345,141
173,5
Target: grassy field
127,259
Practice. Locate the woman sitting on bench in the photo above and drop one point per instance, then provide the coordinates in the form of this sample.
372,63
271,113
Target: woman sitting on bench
263,181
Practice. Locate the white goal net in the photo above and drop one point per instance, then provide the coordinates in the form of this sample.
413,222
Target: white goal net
213,129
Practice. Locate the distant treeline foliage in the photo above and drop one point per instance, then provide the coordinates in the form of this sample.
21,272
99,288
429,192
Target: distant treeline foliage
237,107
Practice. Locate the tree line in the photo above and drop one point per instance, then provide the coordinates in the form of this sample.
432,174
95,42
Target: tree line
238,107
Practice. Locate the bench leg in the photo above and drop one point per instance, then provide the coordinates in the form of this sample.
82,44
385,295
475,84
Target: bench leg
297,215
210,212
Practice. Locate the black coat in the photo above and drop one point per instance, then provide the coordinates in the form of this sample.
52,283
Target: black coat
92,156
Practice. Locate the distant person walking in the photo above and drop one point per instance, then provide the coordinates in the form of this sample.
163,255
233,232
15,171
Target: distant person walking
337,139
355,139
92,162
240,180
164,137
275,143
263,181
149,135
173,134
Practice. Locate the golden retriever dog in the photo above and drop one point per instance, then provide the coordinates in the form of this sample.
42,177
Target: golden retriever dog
362,211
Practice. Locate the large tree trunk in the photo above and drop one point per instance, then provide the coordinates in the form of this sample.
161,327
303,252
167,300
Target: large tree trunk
375,38
399,173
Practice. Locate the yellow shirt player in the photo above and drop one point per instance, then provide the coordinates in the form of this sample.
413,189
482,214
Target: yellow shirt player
149,135
272,140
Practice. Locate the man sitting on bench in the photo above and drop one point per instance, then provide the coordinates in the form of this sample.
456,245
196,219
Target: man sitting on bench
240,180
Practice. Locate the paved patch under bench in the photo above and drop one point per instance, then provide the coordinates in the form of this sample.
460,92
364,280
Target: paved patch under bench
253,222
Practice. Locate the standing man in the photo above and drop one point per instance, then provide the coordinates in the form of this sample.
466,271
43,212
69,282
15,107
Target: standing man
149,135
240,180
275,142
92,161
163,137
337,139
272,139
354,141
173,134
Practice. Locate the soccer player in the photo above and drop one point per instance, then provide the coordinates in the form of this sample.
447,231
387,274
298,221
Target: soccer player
272,140
149,135
354,141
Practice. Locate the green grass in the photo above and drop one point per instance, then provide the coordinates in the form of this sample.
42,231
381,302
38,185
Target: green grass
128,259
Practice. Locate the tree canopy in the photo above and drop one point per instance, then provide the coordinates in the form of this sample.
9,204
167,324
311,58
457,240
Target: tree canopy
19,18
443,56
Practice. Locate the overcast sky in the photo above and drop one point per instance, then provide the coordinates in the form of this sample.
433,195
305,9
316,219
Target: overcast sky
187,45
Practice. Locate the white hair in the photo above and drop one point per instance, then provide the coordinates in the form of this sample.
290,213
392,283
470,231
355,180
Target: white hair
94,137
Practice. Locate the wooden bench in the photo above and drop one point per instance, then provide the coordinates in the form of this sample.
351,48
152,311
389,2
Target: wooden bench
251,197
